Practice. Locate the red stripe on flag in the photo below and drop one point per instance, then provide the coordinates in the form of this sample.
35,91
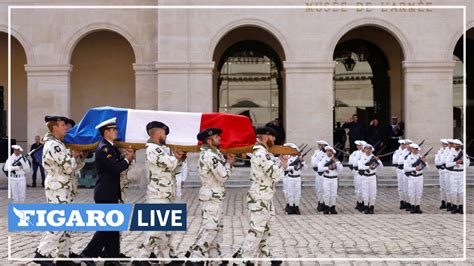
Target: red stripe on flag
237,130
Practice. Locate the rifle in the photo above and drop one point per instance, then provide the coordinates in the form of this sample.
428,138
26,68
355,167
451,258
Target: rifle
372,161
419,162
460,155
300,147
330,163
421,143
23,157
298,160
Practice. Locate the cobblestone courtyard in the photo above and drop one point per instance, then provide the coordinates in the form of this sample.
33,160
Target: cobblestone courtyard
389,233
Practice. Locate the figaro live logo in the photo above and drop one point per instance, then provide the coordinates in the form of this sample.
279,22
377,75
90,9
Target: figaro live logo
97,217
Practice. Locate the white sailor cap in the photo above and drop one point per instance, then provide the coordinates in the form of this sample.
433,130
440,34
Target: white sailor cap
17,147
357,142
322,142
456,141
408,141
330,148
444,141
110,123
292,145
401,141
367,145
450,140
415,146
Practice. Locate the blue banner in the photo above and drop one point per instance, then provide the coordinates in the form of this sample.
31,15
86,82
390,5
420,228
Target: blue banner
96,217
159,217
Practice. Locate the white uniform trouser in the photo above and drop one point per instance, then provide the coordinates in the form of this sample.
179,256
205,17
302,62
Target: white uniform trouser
447,182
285,188
369,189
405,186
457,187
294,190
415,189
318,185
401,192
18,188
357,185
179,182
442,184
329,191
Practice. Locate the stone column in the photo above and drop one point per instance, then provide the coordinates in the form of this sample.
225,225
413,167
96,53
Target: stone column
146,93
428,101
200,89
172,86
309,98
48,94
185,86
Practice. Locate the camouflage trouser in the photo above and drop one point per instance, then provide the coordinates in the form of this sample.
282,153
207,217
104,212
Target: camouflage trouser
256,241
210,235
58,243
158,242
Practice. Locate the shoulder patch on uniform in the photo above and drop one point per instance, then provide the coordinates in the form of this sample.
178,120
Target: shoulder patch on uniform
105,149
109,156
268,156
158,150
214,160
57,148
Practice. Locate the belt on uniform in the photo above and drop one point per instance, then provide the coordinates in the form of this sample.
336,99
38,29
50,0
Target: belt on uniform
16,176
369,174
416,175
294,176
396,165
356,168
456,170
330,177
400,167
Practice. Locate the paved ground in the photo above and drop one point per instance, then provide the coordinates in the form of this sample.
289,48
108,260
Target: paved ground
389,233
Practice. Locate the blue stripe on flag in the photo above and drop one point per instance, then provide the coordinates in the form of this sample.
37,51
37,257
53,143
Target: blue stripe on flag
85,133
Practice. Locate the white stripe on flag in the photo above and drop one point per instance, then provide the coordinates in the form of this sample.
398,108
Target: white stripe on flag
183,126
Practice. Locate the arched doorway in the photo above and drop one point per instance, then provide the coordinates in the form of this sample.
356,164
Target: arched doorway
102,73
368,82
19,90
248,76
459,60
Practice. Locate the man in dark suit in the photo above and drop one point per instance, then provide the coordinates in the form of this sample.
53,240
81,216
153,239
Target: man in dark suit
356,131
110,163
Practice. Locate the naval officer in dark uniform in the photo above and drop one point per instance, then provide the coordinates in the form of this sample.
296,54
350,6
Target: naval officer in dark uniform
110,163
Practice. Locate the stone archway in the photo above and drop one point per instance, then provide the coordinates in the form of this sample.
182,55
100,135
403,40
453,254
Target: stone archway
102,72
376,80
19,90
249,63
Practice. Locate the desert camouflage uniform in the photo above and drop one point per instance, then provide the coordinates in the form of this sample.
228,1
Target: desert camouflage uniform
162,168
60,187
124,182
213,172
265,172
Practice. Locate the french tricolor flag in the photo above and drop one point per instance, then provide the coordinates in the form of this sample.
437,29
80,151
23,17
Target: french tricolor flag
237,130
